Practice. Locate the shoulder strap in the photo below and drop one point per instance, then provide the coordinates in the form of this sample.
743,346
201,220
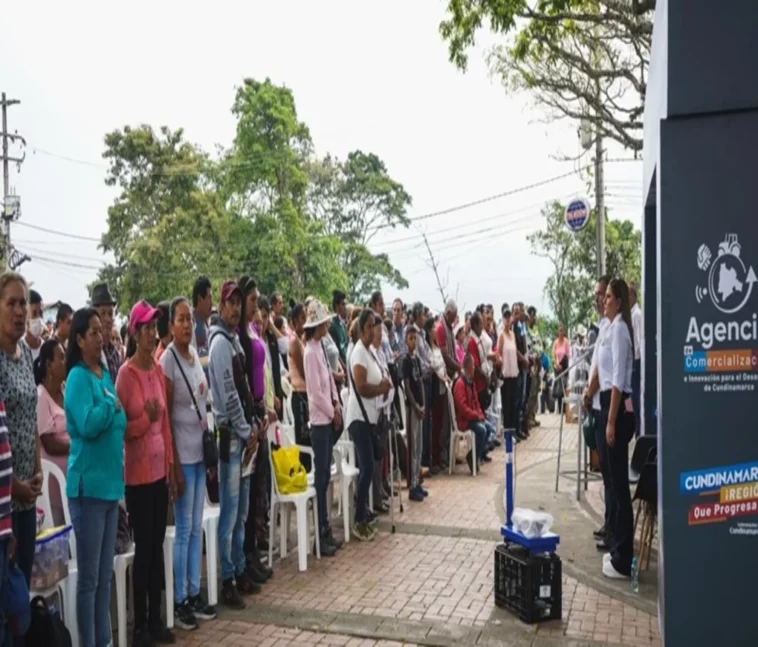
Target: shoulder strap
331,377
189,388
358,395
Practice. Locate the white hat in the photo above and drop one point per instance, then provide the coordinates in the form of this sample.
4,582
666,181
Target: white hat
458,328
581,331
315,314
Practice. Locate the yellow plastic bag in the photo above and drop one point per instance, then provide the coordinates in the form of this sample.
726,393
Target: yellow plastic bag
291,477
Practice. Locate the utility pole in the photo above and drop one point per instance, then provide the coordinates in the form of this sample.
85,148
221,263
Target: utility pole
11,203
599,202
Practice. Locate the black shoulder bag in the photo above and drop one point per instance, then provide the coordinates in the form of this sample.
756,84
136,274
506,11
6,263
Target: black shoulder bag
379,431
210,449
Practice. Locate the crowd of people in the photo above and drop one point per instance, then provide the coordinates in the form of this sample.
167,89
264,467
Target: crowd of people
124,412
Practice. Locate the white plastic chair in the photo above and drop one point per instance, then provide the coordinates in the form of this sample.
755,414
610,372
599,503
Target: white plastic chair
168,573
457,436
121,564
211,513
344,455
66,588
285,502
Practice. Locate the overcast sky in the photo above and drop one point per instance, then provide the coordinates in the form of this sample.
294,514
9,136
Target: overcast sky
369,76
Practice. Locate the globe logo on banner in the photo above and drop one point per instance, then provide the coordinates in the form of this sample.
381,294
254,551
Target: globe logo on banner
577,214
730,280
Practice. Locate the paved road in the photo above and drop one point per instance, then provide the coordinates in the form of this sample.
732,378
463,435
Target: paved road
431,583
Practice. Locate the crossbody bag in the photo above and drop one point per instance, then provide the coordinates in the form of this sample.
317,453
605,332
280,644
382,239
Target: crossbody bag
210,449
379,431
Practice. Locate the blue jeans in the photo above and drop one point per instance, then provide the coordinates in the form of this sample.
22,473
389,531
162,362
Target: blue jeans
234,501
481,429
188,542
360,433
322,442
95,524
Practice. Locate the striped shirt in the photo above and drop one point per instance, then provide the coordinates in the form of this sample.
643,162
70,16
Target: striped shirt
6,476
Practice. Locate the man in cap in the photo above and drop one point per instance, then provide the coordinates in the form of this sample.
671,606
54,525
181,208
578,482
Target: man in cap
233,412
102,300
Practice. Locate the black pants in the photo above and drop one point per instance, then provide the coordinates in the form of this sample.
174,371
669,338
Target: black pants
602,451
620,518
509,397
25,532
302,433
147,506
257,513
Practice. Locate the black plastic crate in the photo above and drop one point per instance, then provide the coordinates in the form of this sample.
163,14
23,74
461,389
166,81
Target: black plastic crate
528,586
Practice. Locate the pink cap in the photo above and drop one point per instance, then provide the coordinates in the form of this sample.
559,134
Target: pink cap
142,313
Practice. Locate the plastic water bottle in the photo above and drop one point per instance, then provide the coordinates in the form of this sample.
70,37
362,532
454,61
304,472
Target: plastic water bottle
635,576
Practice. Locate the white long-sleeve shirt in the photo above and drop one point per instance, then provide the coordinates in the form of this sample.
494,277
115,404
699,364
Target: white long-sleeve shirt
614,367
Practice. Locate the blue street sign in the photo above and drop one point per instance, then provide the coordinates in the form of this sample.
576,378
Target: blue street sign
577,214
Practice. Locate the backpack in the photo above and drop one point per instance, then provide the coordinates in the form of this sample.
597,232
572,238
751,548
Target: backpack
46,628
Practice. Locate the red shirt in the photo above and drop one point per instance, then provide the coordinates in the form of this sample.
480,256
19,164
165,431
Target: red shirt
467,408
473,349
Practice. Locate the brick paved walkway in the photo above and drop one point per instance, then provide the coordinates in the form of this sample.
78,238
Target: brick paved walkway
431,583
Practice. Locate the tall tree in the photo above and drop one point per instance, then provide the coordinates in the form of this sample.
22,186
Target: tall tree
163,223
264,178
354,199
580,59
569,289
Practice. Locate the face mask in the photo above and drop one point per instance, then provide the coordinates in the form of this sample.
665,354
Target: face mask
284,345
36,326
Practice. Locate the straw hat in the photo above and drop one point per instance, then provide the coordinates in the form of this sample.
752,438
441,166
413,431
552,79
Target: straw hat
315,314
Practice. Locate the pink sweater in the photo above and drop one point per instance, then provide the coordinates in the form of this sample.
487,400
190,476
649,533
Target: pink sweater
148,452
319,383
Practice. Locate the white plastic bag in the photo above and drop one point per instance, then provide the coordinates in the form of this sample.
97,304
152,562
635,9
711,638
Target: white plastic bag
531,523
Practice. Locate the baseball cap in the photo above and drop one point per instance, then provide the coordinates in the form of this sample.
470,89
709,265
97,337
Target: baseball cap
228,289
142,313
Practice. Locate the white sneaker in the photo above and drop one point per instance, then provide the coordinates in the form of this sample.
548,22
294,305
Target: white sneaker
612,573
606,559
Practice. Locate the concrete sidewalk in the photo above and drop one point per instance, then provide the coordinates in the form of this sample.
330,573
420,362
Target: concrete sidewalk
431,583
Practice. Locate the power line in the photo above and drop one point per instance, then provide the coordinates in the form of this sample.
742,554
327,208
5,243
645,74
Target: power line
472,222
59,233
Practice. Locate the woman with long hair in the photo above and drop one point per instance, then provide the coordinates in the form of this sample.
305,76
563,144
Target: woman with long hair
506,345
149,470
19,392
186,401
297,377
254,347
366,385
614,366
96,422
50,376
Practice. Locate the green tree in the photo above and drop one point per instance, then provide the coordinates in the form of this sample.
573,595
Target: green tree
354,200
264,178
157,222
579,59
570,287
